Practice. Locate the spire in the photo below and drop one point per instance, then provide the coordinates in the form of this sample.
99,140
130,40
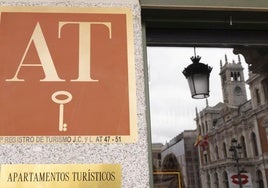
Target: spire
239,60
226,60
206,102
221,64
196,116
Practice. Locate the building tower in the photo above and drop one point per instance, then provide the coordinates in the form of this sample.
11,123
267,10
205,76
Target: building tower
233,83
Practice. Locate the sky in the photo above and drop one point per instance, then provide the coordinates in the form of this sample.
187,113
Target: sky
171,106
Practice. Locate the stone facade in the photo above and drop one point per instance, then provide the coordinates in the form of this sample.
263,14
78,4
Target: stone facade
244,120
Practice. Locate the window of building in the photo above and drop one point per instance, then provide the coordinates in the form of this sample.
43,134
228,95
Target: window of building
243,144
232,76
235,76
214,124
238,76
205,158
224,149
258,99
259,179
208,181
216,180
254,144
265,88
217,152
225,180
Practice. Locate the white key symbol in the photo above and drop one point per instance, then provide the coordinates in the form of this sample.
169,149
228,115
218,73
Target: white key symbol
61,102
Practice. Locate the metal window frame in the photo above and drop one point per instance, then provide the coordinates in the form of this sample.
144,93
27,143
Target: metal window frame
200,26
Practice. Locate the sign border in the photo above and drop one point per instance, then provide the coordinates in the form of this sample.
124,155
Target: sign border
132,137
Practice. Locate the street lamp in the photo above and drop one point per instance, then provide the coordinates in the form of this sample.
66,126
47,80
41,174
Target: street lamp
236,150
197,75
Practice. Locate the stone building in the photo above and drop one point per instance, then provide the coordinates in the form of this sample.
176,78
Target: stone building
181,154
235,118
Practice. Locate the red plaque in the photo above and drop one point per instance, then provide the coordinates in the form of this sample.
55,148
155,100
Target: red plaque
67,72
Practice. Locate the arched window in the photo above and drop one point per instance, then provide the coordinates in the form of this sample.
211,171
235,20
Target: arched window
216,180
232,76
170,162
238,76
243,144
224,150
225,180
264,84
217,152
205,159
259,179
254,144
235,76
208,181
258,98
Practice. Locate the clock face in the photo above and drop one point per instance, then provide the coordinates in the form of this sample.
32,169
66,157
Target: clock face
237,90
